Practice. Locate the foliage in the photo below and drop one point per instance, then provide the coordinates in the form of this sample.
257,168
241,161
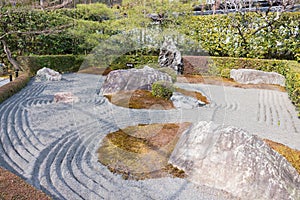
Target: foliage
218,35
28,31
293,84
60,63
162,89
94,12
13,87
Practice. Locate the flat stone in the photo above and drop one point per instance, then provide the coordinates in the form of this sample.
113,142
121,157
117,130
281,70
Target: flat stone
251,76
235,161
185,102
132,79
65,97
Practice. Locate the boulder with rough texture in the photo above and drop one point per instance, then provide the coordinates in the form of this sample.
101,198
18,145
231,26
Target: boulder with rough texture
251,76
65,97
235,161
46,74
185,102
132,79
170,56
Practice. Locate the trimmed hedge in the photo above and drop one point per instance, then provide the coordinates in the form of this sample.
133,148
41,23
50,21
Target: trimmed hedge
120,62
222,65
60,63
13,87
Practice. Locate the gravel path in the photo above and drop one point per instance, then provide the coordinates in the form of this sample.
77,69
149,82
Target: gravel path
3,81
53,145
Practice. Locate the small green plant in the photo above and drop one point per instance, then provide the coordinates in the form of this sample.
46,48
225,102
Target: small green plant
162,89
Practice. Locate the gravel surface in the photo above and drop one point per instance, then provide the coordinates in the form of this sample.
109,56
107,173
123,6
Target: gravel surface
3,81
53,145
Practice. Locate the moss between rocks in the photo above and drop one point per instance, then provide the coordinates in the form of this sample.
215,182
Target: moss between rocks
143,151
139,99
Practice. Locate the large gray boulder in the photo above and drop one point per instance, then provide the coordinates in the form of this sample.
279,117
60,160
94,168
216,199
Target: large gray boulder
251,76
132,79
231,159
170,56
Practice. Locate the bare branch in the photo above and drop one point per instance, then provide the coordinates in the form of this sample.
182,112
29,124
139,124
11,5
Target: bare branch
9,56
58,29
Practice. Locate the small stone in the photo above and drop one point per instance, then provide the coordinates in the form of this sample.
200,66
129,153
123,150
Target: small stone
181,101
65,97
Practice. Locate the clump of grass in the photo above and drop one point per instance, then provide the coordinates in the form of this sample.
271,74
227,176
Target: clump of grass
292,155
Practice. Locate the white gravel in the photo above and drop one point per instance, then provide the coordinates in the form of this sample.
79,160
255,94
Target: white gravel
3,81
53,145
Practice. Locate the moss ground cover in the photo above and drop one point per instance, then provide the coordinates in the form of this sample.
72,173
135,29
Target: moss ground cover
143,151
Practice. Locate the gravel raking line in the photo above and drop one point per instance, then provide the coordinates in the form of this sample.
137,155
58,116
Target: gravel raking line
54,146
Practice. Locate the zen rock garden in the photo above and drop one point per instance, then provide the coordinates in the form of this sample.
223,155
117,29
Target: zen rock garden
140,134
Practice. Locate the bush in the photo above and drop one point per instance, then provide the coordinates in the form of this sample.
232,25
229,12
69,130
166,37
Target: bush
60,63
219,37
162,89
11,88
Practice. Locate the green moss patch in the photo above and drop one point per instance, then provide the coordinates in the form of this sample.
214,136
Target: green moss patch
140,99
143,151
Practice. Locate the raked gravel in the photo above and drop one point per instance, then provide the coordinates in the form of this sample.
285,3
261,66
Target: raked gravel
53,145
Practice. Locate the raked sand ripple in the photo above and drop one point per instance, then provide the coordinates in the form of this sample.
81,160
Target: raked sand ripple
53,145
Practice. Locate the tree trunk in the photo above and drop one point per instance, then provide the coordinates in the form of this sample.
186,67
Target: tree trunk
10,58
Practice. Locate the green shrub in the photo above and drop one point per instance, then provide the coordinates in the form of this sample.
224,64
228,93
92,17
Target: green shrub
162,89
60,63
13,87
218,35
